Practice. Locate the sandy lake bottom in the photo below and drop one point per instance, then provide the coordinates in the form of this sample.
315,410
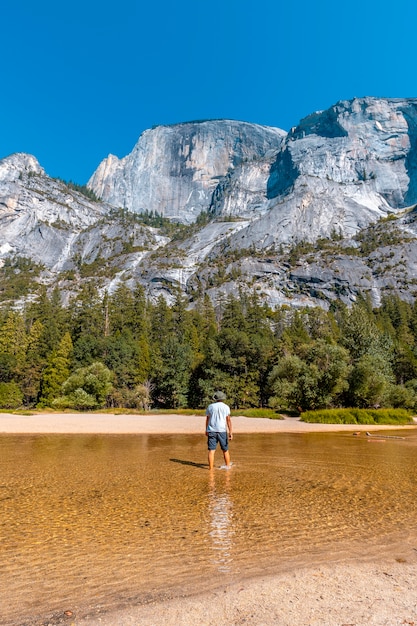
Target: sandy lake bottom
105,521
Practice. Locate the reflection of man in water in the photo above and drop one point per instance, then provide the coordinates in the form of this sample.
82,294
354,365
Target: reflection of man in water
218,422
221,522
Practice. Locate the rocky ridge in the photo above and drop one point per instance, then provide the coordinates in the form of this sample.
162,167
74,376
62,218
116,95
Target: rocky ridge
320,213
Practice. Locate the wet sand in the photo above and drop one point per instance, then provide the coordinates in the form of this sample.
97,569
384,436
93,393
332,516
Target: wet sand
347,593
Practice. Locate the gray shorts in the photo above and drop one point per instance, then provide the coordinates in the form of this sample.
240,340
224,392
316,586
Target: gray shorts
214,438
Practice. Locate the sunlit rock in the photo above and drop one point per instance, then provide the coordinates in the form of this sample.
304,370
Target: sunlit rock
174,170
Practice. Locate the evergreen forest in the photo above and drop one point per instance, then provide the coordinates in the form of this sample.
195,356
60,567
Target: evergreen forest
124,351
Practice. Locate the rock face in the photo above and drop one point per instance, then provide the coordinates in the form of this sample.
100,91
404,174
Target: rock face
174,170
339,170
56,226
40,216
323,212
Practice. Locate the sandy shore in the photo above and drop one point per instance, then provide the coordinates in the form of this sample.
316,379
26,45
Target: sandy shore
342,594
350,594
105,423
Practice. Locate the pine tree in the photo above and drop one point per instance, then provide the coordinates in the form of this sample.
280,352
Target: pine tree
34,362
14,341
54,317
88,326
121,310
171,374
56,372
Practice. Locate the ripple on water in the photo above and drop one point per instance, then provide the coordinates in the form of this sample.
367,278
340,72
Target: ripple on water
99,520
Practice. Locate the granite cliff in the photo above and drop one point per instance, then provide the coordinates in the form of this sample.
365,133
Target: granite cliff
320,213
174,170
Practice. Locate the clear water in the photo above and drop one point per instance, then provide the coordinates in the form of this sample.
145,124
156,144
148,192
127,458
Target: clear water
89,523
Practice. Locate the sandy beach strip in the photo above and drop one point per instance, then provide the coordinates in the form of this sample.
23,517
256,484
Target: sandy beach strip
350,594
168,424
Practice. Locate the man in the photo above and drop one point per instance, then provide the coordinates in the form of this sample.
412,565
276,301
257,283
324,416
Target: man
218,422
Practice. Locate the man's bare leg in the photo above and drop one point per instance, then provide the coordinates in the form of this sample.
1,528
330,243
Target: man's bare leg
211,459
226,455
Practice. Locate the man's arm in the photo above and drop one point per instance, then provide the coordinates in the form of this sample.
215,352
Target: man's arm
229,426
207,423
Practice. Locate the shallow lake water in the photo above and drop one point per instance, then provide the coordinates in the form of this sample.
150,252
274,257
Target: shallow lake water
90,523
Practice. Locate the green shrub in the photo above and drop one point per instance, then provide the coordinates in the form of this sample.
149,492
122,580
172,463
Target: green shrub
79,400
10,395
83,189
358,416
137,398
18,277
269,413
87,388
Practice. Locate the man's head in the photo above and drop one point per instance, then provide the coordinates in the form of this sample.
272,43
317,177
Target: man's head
219,396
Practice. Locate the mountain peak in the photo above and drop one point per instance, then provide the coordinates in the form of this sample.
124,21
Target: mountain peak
174,170
13,166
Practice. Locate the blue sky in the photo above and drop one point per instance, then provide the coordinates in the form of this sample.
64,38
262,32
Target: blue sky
84,79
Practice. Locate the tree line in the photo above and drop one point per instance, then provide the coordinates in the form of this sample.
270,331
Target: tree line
122,350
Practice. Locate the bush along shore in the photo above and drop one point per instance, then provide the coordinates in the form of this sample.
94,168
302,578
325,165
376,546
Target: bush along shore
381,417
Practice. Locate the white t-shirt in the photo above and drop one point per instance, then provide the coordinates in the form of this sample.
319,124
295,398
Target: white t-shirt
217,413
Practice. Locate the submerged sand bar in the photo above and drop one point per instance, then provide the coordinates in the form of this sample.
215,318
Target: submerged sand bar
169,424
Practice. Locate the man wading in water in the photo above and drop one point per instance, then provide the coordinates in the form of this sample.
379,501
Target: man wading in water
218,422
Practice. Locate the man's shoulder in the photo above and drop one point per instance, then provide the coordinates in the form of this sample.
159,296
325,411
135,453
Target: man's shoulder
218,406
